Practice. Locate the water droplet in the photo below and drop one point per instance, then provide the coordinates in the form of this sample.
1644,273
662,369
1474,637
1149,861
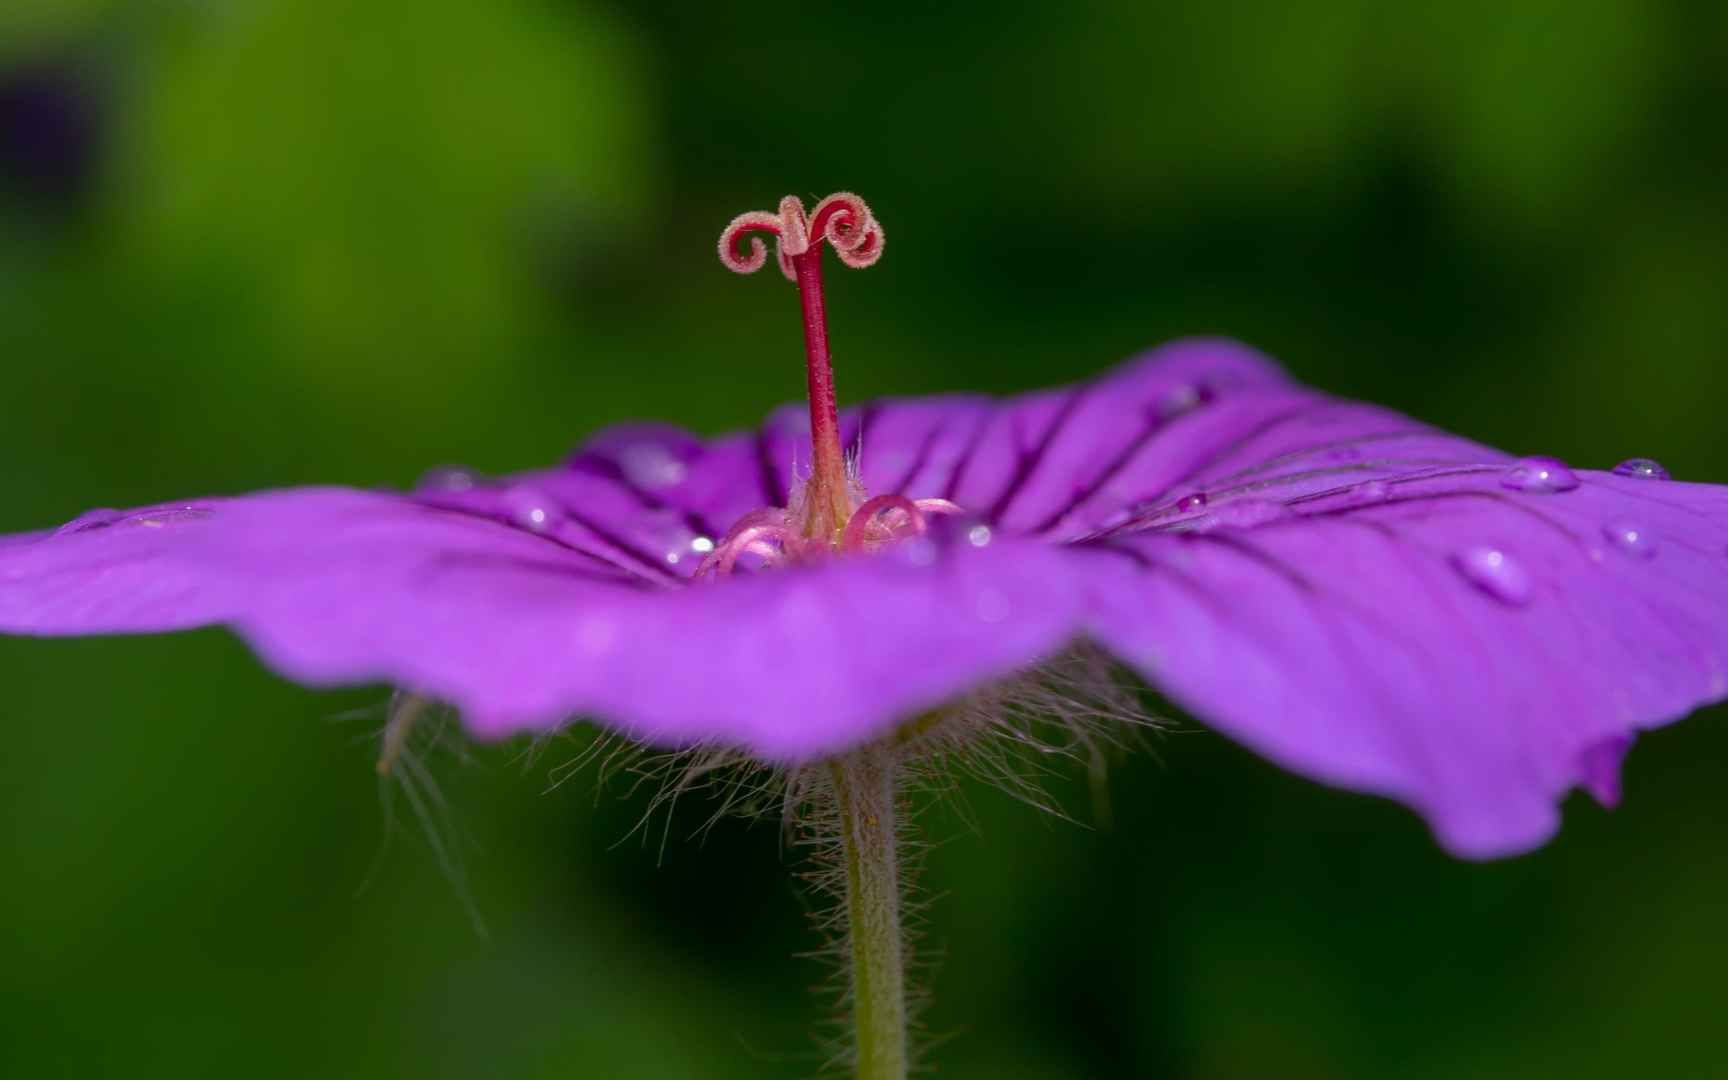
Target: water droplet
163,516
531,509
1539,476
978,536
1630,537
89,521
1246,514
702,545
651,465
1495,573
1183,399
1187,504
1641,468
448,478
1372,491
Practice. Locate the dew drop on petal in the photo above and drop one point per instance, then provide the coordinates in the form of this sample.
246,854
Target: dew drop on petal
1539,476
651,465
1641,468
1187,504
530,509
1246,514
978,536
1372,491
1630,537
89,521
702,545
162,517
448,478
1495,573
1181,400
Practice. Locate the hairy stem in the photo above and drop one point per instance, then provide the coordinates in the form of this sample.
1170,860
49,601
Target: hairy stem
864,790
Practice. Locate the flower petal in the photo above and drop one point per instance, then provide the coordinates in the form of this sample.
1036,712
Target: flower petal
1180,419
524,626
344,570
1471,650
1358,596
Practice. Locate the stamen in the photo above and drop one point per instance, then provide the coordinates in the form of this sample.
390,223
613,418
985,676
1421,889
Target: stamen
857,530
845,222
754,540
938,506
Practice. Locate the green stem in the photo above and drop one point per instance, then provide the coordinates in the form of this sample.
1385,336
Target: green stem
864,790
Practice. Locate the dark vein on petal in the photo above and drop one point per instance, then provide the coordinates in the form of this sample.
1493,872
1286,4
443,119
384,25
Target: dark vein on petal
1148,517
618,578
1150,426
1271,423
604,468
1146,562
1626,491
920,460
1027,462
1389,481
1333,444
973,443
491,520
1491,496
623,546
1256,554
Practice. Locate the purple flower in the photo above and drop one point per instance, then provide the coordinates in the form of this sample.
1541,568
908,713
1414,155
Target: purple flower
1362,598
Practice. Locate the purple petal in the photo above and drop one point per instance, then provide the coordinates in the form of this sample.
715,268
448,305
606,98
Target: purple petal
1185,418
1357,596
1357,642
523,627
1600,764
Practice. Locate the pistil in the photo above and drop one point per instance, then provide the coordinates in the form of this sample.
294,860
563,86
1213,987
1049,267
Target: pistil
827,504
844,223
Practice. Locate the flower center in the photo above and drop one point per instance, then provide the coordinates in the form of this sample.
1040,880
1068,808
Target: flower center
829,510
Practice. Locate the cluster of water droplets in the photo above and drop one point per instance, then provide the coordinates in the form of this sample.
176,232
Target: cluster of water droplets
522,505
664,532
1505,579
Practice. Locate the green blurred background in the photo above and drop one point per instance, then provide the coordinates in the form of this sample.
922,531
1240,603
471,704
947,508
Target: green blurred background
249,243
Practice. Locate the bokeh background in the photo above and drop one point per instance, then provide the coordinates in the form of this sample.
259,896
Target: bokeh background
250,243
